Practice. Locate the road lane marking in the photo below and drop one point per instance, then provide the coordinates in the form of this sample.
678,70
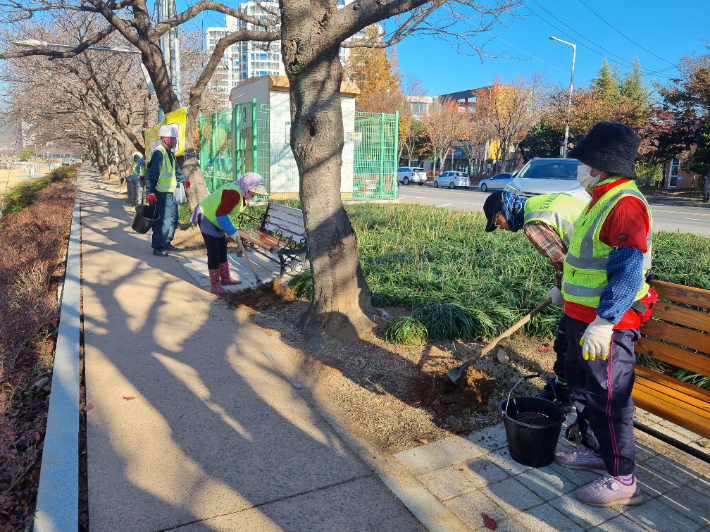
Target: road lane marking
680,212
445,205
694,219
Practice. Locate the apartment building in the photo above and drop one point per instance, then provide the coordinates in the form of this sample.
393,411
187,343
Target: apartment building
244,60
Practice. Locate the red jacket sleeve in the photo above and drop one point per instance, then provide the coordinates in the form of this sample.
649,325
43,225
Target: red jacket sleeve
230,199
627,225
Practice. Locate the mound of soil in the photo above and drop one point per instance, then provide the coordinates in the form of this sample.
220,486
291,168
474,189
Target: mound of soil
267,296
532,418
436,390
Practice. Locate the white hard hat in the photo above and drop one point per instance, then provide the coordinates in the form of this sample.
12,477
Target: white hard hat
167,131
138,154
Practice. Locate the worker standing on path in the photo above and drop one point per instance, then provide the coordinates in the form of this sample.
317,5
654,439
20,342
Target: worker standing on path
135,179
214,216
161,180
547,221
606,299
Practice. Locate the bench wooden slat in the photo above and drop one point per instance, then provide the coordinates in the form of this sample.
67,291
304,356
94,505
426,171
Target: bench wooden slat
295,229
672,388
298,213
674,356
682,316
682,294
285,217
654,395
261,239
694,340
296,237
672,413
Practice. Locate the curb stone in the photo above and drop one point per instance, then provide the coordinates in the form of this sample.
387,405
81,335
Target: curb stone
58,492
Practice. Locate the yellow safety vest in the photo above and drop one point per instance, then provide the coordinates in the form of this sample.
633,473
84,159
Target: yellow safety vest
209,205
559,211
585,278
167,180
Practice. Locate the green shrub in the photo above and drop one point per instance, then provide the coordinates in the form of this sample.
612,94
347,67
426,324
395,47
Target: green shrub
184,213
302,284
406,330
448,321
22,195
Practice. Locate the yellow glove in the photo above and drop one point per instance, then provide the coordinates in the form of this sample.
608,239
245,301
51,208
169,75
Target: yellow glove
597,339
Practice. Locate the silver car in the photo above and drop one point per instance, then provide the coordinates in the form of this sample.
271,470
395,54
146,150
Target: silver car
497,182
547,176
410,174
452,179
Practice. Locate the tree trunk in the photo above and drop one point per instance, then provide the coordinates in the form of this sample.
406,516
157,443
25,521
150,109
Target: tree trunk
706,188
190,163
341,295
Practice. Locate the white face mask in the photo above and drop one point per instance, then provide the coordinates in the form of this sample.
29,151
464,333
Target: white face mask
585,177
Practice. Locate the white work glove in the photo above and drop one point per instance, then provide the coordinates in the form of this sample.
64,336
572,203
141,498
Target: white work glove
556,295
597,339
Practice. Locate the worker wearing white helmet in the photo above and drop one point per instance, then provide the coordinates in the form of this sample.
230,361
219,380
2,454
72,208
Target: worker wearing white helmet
161,180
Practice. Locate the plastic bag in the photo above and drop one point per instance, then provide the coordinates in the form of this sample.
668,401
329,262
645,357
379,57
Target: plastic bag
179,194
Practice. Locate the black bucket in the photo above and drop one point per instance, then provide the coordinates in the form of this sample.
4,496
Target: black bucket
144,218
532,445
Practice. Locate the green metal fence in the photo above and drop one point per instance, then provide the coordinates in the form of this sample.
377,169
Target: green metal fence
256,137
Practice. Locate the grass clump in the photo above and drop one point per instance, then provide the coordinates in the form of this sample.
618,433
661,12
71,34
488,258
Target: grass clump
406,330
24,194
448,321
302,284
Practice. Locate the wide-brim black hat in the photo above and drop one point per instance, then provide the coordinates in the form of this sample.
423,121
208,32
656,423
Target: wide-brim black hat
492,206
611,147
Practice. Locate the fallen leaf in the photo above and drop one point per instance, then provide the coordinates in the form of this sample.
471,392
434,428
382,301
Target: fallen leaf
423,440
128,398
37,436
88,407
544,349
489,522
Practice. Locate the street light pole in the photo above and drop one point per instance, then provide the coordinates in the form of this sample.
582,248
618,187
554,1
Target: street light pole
571,84
34,43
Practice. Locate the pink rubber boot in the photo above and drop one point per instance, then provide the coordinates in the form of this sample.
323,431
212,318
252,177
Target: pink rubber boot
225,276
214,283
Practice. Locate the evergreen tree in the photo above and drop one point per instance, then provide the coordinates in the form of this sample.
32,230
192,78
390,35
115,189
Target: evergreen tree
633,88
606,81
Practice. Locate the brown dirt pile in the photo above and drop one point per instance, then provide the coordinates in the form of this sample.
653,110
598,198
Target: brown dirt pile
267,296
436,390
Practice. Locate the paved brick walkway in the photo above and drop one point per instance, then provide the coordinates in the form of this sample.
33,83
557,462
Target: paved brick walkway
476,475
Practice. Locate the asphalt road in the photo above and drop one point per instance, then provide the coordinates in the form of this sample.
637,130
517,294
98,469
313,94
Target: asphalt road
682,219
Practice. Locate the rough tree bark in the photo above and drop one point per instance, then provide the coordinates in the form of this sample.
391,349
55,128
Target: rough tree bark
706,188
341,294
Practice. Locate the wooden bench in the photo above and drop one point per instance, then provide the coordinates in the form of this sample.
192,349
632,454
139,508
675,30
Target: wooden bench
280,234
678,336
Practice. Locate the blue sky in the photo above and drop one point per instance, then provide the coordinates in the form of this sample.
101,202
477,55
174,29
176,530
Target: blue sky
668,29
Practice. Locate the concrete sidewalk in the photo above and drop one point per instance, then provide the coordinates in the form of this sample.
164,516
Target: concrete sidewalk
192,427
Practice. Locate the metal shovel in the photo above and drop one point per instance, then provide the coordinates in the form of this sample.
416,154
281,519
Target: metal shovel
455,373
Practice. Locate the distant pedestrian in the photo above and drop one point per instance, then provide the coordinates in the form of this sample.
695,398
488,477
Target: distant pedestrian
547,222
606,298
214,217
136,180
162,178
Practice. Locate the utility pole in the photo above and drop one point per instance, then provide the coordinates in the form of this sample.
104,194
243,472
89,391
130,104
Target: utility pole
571,84
170,44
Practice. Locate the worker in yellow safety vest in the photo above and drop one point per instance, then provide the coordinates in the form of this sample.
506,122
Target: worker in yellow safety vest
215,216
606,298
135,180
162,178
547,222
